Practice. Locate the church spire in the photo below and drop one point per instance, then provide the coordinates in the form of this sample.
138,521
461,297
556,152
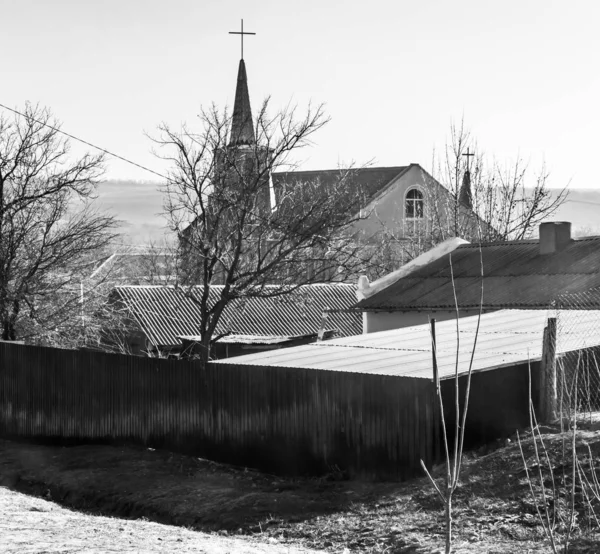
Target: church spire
465,196
242,128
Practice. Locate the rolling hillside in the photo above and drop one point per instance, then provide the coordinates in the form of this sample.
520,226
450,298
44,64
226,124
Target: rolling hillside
139,205
582,209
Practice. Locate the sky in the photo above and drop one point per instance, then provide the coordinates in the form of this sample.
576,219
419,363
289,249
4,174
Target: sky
393,75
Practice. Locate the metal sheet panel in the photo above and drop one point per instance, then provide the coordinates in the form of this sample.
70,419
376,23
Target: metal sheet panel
516,275
165,313
506,337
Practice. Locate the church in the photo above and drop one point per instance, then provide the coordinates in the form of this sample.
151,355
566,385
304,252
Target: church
399,212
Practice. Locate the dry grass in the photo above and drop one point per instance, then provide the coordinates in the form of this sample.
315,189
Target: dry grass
494,510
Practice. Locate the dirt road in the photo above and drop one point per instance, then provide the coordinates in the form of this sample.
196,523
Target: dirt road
33,525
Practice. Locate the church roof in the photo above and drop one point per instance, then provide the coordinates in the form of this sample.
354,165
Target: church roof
368,181
242,128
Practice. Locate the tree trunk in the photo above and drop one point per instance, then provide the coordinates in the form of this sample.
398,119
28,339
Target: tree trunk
8,330
448,521
204,350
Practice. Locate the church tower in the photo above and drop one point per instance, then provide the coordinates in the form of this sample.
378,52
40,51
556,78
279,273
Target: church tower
243,164
239,199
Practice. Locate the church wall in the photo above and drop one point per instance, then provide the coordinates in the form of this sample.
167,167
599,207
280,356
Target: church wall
388,210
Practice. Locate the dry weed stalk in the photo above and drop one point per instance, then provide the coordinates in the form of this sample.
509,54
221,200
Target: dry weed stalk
557,507
454,461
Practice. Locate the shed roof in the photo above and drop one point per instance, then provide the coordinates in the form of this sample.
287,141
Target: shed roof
166,313
505,338
515,275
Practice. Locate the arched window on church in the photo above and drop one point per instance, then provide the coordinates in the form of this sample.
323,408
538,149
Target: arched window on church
415,205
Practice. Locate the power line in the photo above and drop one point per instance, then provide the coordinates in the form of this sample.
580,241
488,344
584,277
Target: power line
85,142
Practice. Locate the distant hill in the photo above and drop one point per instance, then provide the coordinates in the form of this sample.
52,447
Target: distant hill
582,209
139,204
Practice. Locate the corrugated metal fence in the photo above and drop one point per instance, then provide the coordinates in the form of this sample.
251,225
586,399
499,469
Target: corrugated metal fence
280,420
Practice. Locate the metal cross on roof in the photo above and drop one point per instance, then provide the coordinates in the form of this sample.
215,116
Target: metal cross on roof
468,154
242,33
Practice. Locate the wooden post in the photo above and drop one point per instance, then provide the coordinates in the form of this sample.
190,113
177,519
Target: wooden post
436,396
548,390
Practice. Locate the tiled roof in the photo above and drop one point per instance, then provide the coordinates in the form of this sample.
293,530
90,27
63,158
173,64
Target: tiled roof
369,181
166,313
505,338
516,275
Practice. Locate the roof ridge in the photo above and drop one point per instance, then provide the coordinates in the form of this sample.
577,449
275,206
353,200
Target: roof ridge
377,168
499,243
536,242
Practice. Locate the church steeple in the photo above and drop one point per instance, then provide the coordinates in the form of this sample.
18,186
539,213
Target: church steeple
465,196
242,128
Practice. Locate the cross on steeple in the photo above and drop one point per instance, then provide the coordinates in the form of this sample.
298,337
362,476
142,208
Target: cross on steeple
242,33
468,154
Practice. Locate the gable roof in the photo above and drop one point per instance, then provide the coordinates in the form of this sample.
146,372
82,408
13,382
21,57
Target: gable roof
369,181
166,313
516,275
505,338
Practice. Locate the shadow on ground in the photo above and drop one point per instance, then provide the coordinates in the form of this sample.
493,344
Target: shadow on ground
135,482
493,511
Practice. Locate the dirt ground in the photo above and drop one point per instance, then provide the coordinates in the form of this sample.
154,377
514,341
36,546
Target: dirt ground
493,510
34,525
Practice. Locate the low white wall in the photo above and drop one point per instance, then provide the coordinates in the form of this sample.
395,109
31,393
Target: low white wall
384,321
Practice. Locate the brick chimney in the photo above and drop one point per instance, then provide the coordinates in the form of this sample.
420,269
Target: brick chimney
554,236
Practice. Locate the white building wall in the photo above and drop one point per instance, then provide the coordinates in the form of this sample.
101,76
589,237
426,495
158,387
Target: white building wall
384,321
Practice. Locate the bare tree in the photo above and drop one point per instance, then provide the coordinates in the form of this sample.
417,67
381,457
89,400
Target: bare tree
80,315
467,196
488,199
237,229
48,227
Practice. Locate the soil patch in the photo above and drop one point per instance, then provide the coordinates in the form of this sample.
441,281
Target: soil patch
493,513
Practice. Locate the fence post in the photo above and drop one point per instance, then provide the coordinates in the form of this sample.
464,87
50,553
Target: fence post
436,397
548,390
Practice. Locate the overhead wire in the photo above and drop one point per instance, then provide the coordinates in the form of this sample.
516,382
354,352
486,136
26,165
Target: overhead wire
86,142
117,156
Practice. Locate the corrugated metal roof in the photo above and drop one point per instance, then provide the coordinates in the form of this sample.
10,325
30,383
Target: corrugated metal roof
165,313
506,337
516,275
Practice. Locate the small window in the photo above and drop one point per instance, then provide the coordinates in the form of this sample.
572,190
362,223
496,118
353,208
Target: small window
414,204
